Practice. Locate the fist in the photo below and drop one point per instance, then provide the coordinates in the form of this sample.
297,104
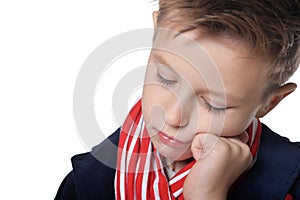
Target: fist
220,161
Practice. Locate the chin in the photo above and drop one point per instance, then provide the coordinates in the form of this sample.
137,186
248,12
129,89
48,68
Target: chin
174,155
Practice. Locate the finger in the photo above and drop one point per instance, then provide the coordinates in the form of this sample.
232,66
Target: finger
243,147
237,141
202,145
244,137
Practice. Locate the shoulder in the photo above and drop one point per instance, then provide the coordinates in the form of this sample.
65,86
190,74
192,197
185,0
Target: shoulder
285,155
277,149
269,138
278,152
93,173
275,172
101,155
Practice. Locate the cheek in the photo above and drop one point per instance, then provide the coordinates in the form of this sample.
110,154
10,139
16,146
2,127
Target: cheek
152,102
236,123
233,123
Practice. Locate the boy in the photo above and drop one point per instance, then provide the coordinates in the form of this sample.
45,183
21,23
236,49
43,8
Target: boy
216,67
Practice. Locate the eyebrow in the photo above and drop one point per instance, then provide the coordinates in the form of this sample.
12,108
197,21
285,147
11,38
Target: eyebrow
161,60
164,62
231,97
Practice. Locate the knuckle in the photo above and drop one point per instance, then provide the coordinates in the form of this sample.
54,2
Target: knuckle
225,147
244,147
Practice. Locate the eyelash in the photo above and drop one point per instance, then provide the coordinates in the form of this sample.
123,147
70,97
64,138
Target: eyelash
164,81
213,109
207,106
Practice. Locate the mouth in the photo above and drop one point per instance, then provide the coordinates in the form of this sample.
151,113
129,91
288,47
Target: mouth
169,140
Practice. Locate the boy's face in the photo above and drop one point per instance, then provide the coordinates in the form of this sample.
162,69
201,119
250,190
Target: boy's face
206,86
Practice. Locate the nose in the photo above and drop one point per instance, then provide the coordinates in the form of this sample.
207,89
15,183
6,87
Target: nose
176,112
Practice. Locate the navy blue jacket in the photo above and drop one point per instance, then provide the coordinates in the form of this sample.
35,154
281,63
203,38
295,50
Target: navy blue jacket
274,175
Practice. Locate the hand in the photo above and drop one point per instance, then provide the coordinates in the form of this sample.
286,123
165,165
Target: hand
220,161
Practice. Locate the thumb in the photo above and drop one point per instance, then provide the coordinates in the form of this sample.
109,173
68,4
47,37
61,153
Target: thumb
202,145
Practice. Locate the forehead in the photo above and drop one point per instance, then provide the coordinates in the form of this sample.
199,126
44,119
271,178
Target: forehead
220,63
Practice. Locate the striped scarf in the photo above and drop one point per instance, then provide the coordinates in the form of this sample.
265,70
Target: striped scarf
140,172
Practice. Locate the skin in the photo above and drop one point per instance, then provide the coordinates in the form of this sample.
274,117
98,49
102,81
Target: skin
206,119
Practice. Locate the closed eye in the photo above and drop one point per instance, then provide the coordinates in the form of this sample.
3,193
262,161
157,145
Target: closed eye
163,80
213,109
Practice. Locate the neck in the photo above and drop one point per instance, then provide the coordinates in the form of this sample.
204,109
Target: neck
176,166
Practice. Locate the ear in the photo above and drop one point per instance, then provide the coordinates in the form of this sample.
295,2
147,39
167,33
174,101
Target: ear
275,98
154,17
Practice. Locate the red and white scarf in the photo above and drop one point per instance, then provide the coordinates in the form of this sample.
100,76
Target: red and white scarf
140,172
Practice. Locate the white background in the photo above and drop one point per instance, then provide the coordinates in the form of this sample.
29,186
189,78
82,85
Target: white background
42,47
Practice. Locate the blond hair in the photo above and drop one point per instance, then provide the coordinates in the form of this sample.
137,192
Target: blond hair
271,27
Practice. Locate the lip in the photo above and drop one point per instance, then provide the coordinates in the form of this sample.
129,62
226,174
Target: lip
168,140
